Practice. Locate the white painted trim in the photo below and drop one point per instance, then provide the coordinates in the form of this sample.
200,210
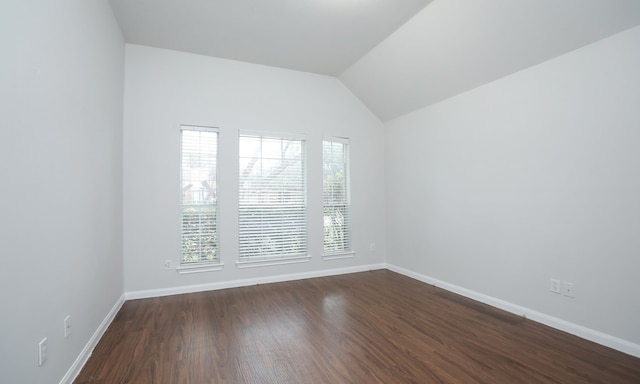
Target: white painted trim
336,139
81,360
574,329
247,282
554,322
338,255
272,135
267,262
202,128
205,267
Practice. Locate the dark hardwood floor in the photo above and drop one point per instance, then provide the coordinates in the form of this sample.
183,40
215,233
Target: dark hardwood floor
370,327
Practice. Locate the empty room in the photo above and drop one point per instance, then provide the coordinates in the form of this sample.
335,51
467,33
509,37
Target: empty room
320,191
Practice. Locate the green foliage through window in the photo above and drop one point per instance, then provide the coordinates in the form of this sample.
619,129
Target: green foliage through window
335,187
272,201
198,201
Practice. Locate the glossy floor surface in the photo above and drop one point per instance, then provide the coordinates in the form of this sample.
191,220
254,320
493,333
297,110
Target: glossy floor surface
370,327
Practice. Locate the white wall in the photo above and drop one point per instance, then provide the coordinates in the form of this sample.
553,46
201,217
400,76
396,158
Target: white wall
164,89
533,176
61,101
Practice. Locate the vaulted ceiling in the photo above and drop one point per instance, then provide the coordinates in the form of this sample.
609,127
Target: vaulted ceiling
395,55
319,36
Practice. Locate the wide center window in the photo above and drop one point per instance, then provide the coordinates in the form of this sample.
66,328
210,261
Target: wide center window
272,200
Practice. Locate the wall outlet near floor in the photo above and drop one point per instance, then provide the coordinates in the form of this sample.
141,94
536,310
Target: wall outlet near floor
168,264
372,247
555,286
569,289
67,326
42,352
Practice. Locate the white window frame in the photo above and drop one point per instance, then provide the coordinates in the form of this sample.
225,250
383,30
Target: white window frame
246,257
345,203
200,265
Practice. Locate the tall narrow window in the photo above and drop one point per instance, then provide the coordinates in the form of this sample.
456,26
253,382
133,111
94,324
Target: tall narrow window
198,202
335,188
272,201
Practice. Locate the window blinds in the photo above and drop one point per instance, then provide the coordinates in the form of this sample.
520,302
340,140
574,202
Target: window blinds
198,202
335,189
272,198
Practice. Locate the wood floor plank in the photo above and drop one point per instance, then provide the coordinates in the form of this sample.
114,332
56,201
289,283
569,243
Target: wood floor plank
370,327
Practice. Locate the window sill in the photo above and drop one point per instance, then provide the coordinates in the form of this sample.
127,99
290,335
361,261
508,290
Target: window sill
338,255
198,268
270,262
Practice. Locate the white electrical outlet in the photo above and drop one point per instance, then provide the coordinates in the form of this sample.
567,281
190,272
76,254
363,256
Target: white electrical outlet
569,290
372,247
42,352
168,264
555,286
67,326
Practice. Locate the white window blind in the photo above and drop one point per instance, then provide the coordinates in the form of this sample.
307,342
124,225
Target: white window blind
272,200
198,202
336,200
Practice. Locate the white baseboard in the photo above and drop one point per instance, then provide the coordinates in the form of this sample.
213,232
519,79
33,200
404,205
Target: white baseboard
75,369
247,282
574,329
77,365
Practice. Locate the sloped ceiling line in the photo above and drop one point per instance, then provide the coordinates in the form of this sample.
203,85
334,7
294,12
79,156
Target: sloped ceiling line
396,56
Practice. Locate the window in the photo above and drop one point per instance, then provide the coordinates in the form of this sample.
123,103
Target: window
272,201
335,190
198,201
